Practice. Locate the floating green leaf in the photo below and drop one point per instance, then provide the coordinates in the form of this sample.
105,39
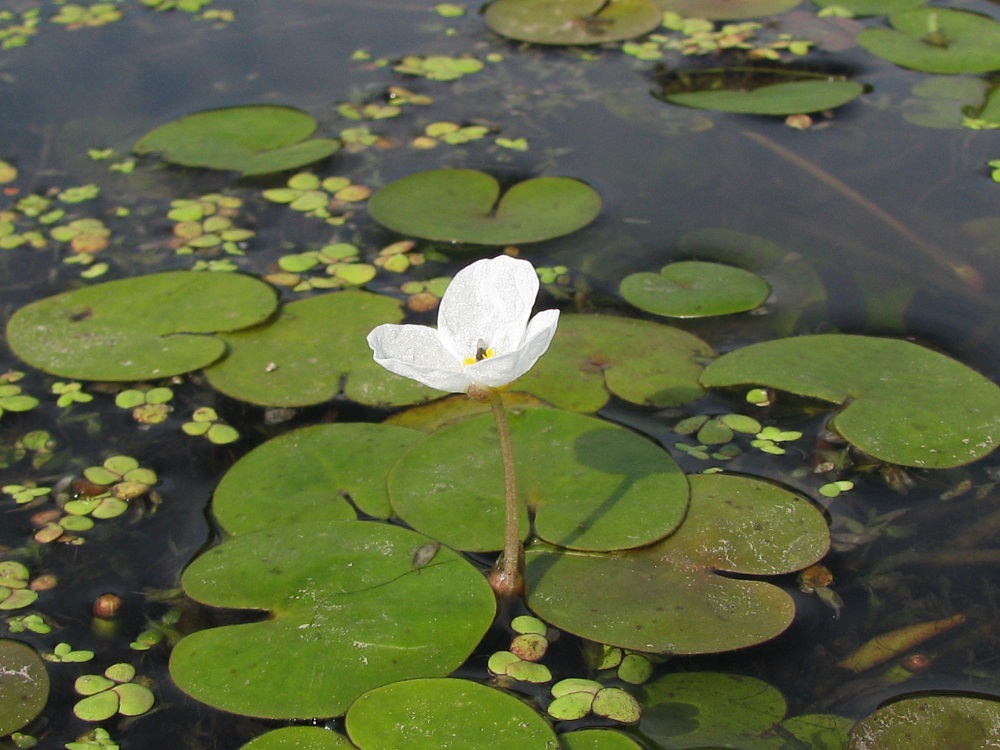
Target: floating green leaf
24,685
445,714
464,205
137,329
904,404
937,40
301,357
725,10
299,738
871,7
310,474
669,597
348,613
930,722
589,484
695,289
788,98
598,739
253,140
572,22
591,355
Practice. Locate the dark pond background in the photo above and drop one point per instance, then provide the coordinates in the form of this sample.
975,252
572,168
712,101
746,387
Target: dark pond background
664,173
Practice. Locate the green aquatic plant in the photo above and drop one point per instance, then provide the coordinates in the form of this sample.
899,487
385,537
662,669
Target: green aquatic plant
485,340
572,22
695,289
24,685
116,691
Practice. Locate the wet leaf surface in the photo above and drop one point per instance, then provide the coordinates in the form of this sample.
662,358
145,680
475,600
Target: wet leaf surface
566,22
24,685
140,328
252,140
902,403
311,474
695,289
590,484
445,714
676,600
464,205
931,722
348,613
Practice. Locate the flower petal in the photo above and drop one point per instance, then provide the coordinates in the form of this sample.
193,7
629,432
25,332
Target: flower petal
489,301
416,352
502,369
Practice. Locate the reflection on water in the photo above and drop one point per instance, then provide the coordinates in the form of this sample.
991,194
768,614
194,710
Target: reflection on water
874,211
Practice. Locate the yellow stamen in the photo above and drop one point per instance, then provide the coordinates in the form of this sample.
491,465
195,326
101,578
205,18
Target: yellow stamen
481,354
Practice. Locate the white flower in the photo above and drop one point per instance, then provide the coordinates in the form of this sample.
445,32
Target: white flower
484,337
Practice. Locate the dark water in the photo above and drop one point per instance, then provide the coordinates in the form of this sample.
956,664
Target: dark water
878,208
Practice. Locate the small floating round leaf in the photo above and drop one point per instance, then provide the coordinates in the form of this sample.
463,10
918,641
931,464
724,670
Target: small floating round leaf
903,403
617,705
930,722
790,98
253,140
590,484
98,707
141,328
937,40
307,474
445,714
572,22
348,613
24,685
571,706
135,699
695,289
464,205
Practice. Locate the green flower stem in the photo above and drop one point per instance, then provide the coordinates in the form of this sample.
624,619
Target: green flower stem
507,577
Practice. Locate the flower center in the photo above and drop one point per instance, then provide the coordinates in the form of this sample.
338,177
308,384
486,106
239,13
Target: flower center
482,352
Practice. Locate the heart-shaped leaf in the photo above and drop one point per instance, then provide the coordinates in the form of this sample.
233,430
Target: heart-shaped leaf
140,328
937,40
695,289
903,403
349,612
788,98
726,10
639,361
931,722
572,21
310,474
669,597
463,205
590,484
253,140
24,685
299,738
446,714
302,356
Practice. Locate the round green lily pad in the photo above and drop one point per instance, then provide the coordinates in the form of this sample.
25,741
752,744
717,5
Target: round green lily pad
24,685
903,403
299,738
710,709
861,8
789,98
445,714
349,612
253,140
669,597
302,356
726,10
464,205
589,484
598,739
572,22
937,40
639,361
930,722
146,327
311,474
695,289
